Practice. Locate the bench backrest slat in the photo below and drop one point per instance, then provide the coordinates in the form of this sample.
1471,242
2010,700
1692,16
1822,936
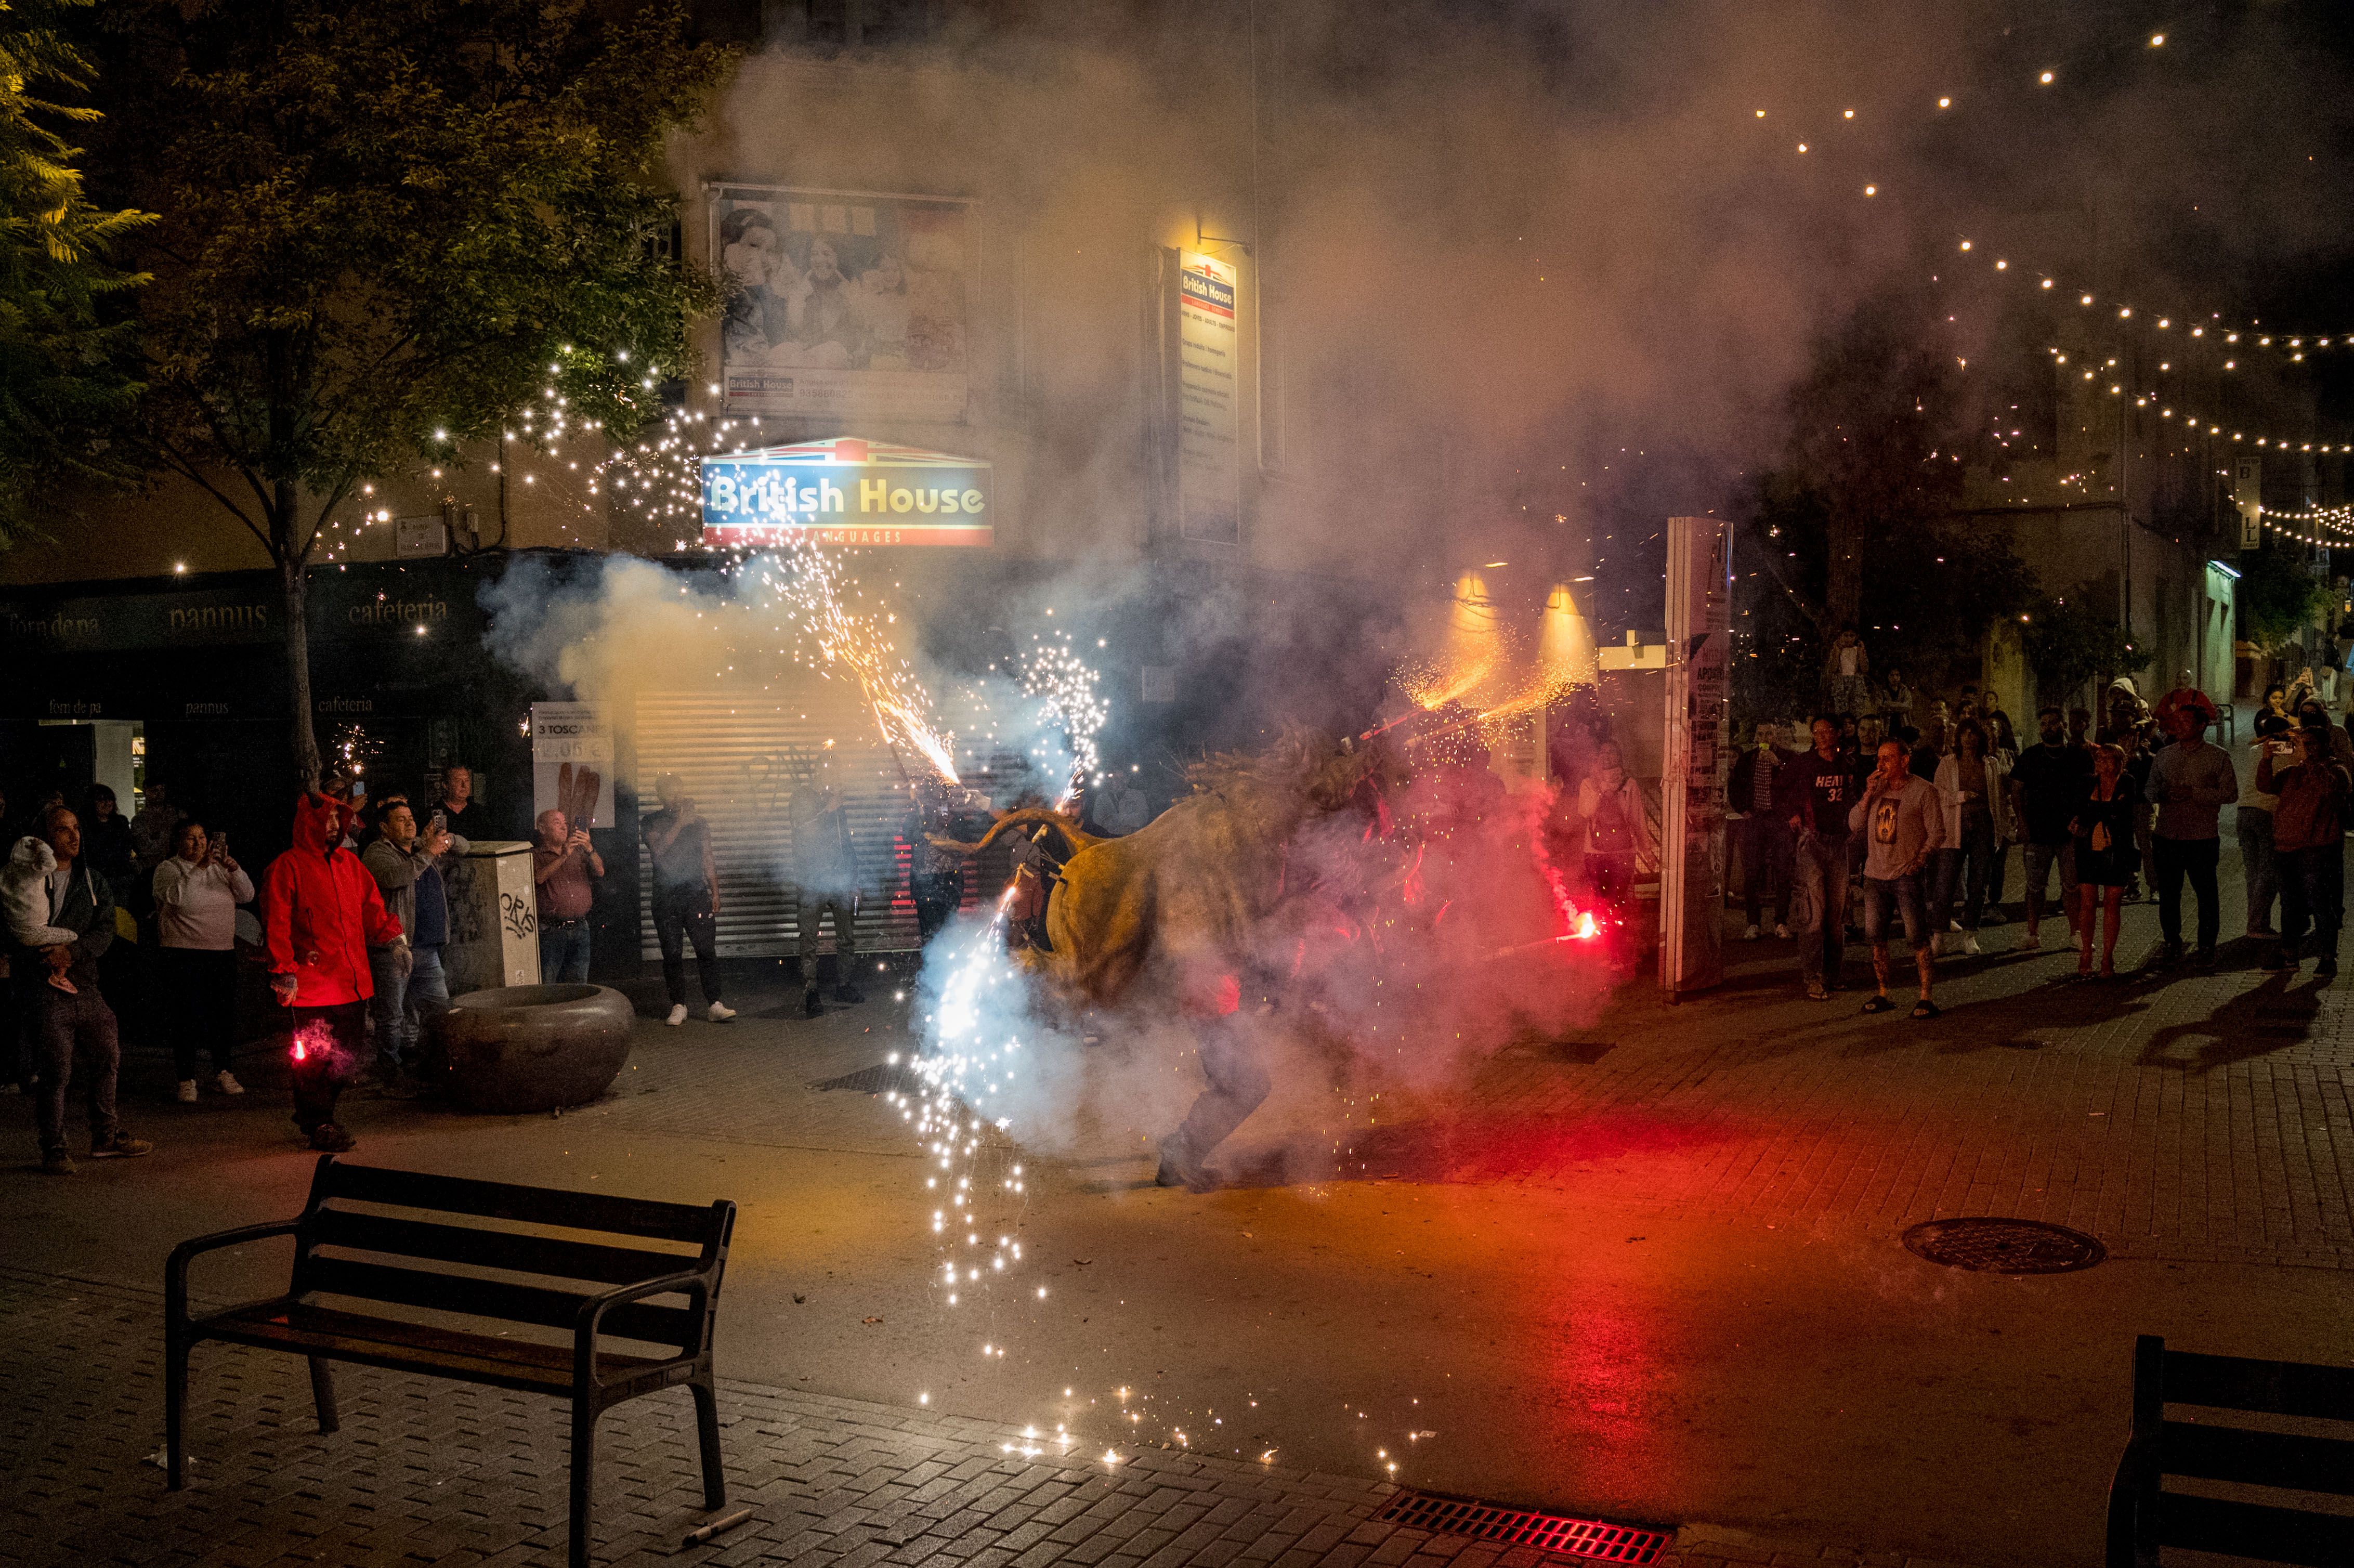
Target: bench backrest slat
530,1205
2255,1530
483,1248
679,1326
2294,1462
2282,1388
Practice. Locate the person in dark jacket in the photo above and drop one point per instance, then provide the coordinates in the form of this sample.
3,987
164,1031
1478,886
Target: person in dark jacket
826,884
1763,833
107,846
1816,790
67,1027
411,989
2308,845
2106,857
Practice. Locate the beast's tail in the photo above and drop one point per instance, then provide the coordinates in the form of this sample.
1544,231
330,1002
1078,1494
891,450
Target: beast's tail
1028,819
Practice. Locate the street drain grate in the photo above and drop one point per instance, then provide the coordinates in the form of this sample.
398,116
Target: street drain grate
882,1078
2004,1246
1590,1539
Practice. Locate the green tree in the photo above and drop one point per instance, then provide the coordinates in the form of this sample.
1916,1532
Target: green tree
1855,527
65,374
2075,636
385,229
2278,595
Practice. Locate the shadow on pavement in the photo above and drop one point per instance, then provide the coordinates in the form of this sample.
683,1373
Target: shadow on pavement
2276,1016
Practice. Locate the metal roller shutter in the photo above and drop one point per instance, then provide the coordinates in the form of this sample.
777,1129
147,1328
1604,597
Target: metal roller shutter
738,755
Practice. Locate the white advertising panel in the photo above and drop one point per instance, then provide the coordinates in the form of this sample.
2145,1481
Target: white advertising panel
1692,783
842,304
572,763
1209,468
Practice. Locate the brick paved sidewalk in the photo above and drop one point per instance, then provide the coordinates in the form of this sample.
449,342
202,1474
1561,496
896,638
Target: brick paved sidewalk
426,1472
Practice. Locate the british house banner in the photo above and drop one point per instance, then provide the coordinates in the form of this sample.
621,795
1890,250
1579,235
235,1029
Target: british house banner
845,492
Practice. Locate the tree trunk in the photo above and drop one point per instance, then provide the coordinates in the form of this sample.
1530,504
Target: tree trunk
293,576
1843,575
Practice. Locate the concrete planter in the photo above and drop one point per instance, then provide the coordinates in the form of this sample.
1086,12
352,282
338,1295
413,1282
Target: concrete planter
525,1048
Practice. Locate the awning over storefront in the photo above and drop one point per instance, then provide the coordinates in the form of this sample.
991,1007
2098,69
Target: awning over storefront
845,492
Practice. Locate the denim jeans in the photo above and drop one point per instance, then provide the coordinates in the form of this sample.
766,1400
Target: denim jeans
66,1028
1821,907
563,951
2173,859
2035,863
1977,848
2256,859
1903,894
1766,856
403,1003
2313,892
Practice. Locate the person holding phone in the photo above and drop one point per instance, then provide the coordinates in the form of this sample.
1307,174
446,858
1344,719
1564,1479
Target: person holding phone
687,898
1902,819
562,863
198,891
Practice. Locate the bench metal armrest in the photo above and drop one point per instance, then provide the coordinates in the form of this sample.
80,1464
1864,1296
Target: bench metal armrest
694,1282
175,1268
2131,1492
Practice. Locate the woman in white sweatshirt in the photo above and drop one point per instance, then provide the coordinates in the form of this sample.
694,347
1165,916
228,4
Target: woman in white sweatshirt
198,891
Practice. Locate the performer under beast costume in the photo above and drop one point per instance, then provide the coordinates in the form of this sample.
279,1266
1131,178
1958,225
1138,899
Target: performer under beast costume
1172,914
323,913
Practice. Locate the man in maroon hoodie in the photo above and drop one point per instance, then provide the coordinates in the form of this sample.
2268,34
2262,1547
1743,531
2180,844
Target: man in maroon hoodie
324,913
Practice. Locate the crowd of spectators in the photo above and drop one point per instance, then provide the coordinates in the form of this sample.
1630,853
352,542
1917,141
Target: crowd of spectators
1878,818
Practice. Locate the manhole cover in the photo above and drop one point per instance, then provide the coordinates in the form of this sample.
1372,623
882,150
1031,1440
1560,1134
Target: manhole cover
1591,1539
882,1078
2004,1246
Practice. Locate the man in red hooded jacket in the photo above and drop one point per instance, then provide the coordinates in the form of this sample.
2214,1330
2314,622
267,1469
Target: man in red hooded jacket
324,913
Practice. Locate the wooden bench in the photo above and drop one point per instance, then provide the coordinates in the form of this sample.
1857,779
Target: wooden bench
371,1264
2144,1517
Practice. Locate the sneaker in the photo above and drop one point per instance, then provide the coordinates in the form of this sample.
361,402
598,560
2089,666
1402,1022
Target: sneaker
122,1147
1816,992
1953,925
188,1091
719,1012
2325,968
2168,956
2280,959
225,1082
677,1014
2031,943
1752,934
57,1164
811,1005
2203,960
1970,943
1781,933
847,992
328,1138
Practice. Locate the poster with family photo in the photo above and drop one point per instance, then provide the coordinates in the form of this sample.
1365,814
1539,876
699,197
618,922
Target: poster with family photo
841,305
